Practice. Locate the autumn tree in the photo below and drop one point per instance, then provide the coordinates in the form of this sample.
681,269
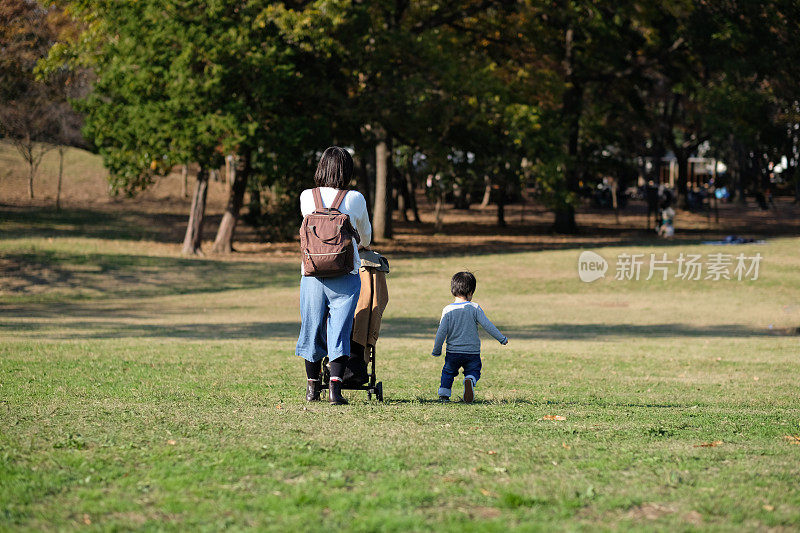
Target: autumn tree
34,114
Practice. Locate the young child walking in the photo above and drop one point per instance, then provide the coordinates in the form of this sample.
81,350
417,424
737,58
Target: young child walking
459,326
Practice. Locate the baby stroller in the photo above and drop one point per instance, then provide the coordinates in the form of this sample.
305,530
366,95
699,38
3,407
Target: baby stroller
360,371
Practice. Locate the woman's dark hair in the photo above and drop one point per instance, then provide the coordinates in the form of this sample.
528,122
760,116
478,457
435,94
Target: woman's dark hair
463,284
335,168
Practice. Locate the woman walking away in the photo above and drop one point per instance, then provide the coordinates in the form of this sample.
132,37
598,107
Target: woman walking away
335,225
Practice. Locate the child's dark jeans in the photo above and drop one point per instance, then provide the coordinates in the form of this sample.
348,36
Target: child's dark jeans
453,362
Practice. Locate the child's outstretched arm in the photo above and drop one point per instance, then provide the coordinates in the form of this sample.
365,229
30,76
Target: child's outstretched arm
441,334
490,328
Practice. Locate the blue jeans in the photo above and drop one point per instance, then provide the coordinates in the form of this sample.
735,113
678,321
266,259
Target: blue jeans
453,362
327,306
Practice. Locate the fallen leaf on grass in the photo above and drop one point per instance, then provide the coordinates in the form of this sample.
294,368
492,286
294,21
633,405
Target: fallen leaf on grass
485,492
87,520
172,442
566,446
755,378
768,508
279,406
554,417
490,452
793,439
709,444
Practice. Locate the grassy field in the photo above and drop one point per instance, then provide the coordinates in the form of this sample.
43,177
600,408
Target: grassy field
142,390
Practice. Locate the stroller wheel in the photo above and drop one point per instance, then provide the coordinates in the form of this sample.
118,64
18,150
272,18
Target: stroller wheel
379,391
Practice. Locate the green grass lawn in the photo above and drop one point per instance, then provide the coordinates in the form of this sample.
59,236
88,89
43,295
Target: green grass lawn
142,390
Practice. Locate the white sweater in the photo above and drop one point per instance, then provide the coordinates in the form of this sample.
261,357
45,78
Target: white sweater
354,205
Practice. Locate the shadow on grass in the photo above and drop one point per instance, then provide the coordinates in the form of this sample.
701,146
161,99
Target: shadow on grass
393,329
504,247
99,329
122,224
422,328
63,275
589,401
455,400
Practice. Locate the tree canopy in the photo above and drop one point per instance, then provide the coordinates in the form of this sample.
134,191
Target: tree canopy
484,94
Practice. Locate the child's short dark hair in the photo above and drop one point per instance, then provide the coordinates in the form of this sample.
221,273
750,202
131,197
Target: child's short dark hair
463,284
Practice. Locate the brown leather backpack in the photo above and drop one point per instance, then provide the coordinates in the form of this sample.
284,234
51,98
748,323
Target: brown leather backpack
326,239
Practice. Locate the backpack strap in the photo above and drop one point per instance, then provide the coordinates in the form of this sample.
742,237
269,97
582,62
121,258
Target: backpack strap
337,202
318,205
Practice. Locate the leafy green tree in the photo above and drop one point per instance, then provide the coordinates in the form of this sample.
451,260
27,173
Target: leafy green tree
189,82
408,78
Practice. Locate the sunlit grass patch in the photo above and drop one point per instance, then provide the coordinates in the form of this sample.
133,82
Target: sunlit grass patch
142,390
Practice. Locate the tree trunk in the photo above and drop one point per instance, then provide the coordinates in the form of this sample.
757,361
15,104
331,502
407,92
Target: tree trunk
362,176
412,195
184,181
614,201
406,199
487,192
438,212
230,171
402,197
254,209
223,244
194,229
565,220
382,212
573,108
741,182
369,169
501,211
716,200
60,177
658,161
571,111
31,174
683,177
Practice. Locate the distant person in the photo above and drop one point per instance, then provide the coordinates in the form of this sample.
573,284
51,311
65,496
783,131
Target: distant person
459,326
667,227
769,197
761,199
328,302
